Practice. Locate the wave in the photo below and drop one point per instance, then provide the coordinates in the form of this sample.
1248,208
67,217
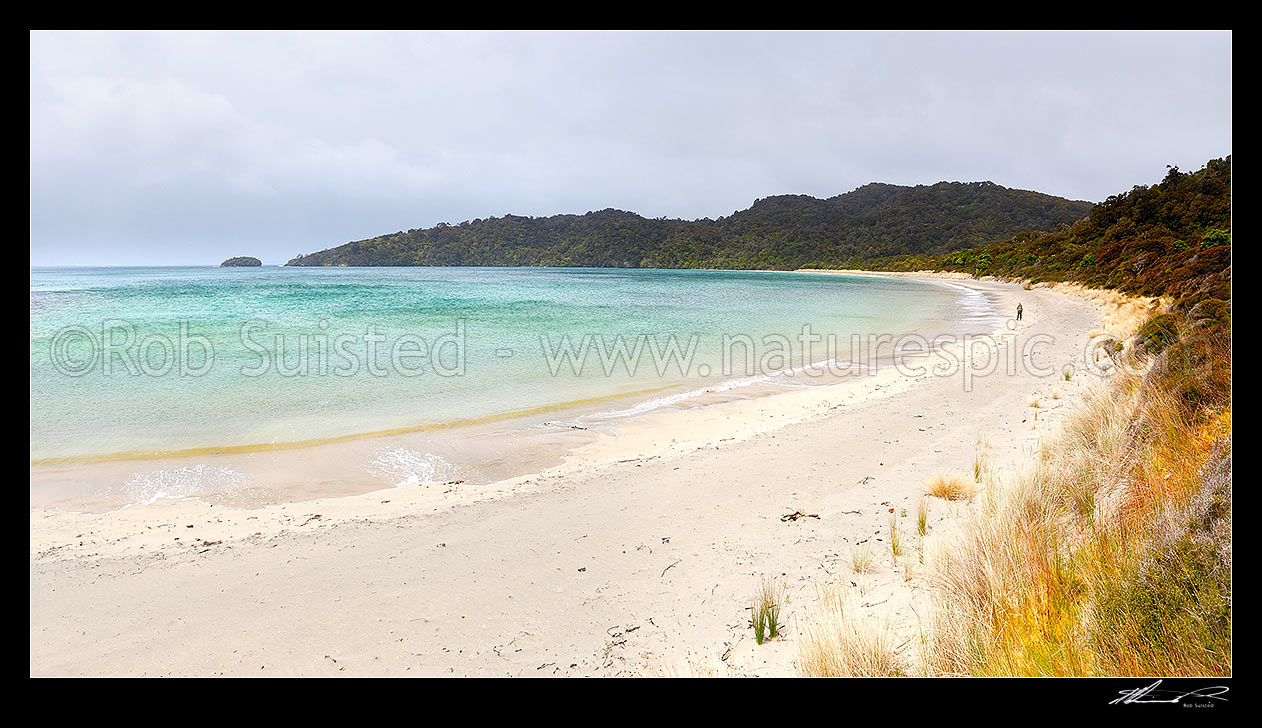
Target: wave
409,467
195,482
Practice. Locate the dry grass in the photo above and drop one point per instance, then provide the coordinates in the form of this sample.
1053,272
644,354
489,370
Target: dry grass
689,665
861,559
922,516
831,642
953,487
980,453
1122,314
1087,564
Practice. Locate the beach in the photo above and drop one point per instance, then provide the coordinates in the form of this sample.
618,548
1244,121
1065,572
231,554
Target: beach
638,554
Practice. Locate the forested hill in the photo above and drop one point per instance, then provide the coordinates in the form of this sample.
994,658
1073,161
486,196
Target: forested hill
1170,239
782,232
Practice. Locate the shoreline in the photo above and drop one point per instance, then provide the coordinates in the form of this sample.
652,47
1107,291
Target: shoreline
512,444
625,494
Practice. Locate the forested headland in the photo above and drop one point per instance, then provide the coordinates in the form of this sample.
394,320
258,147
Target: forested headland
780,233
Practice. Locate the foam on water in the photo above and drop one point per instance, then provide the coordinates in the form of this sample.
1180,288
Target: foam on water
978,308
409,467
195,482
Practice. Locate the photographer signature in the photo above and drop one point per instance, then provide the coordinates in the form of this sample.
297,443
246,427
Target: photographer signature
1151,694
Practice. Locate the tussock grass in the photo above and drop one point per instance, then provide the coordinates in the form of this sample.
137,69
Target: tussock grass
765,609
689,665
1110,557
758,618
861,559
833,642
953,487
1122,314
922,516
979,458
896,542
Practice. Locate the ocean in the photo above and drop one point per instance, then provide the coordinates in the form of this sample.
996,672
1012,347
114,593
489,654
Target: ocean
189,382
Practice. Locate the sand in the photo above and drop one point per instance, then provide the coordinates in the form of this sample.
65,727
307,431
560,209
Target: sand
638,555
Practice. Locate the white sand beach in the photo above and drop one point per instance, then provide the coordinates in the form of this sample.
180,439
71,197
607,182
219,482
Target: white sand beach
638,555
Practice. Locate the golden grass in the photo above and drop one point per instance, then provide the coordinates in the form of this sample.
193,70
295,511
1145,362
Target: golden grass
689,665
979,458
1087,565
832,642
861,559
1122,314
953,487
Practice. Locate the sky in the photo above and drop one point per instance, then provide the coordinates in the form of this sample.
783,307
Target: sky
183,148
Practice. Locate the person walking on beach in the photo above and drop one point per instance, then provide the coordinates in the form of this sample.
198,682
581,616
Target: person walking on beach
1018,312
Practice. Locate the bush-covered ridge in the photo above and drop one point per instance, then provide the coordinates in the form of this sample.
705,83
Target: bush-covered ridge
1171,239
782,232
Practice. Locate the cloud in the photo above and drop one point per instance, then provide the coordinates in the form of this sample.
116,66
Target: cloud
188,147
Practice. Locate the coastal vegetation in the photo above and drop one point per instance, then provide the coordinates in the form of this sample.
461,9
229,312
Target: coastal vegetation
765,609
861,559
1170,239
1111,554
953,486
783,232
835,642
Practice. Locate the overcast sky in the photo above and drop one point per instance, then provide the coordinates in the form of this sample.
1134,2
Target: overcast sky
187,148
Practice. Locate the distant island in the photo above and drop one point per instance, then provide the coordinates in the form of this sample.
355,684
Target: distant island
241,262
784,232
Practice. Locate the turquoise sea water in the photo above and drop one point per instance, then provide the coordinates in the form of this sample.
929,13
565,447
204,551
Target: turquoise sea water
138,362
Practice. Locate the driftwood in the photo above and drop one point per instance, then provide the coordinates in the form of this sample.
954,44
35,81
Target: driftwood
798,514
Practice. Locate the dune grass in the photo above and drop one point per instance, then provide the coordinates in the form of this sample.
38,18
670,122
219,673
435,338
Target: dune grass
953,486
861,559
765,609
833,642
758,618
1110,557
